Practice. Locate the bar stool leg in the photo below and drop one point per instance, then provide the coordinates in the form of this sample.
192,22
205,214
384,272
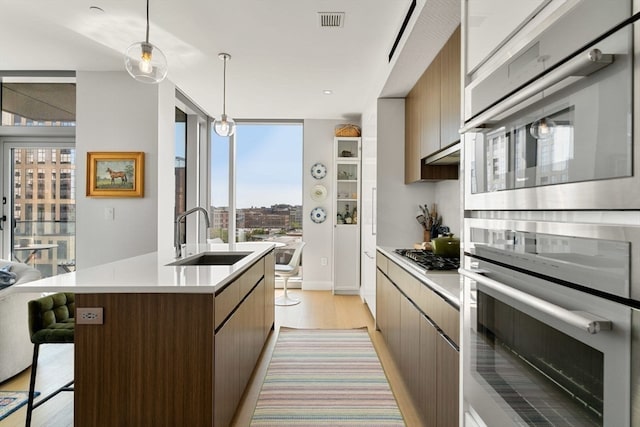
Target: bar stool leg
32,383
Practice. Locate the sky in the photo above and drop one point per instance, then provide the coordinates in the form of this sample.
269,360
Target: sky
268,166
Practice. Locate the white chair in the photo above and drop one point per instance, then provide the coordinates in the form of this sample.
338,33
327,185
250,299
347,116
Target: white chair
288,270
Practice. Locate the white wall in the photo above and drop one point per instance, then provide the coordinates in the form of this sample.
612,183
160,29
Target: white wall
367,208
165,175
318,147
397,203
116,113
447,197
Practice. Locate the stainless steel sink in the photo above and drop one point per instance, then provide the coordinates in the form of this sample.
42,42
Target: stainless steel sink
212,258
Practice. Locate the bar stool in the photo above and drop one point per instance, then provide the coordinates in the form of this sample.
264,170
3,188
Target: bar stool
51,321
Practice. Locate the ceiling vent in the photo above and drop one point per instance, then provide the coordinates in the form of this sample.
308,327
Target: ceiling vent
331,19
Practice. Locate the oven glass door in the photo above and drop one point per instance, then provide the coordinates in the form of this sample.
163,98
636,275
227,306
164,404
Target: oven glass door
517,356
576,131
524,367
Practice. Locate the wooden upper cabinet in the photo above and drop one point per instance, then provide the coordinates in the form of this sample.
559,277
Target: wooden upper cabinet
450,91
432,114
429,84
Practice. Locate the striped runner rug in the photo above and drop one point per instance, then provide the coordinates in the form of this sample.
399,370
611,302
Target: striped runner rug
320,377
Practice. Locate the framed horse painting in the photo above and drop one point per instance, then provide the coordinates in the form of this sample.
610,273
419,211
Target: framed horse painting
115,174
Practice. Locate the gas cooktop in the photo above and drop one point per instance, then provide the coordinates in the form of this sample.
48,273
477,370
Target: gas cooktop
428,261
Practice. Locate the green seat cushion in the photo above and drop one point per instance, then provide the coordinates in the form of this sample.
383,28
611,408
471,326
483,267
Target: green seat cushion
56,333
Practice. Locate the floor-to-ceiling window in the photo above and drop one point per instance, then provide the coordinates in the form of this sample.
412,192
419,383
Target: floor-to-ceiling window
181,162
256,178
220,211
191,140
38,179
180,166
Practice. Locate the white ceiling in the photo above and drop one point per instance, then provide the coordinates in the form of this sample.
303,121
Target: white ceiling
281,59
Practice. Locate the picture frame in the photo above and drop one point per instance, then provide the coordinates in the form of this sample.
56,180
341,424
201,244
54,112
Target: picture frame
115,174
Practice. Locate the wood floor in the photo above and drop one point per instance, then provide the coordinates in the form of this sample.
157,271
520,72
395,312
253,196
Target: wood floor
318,309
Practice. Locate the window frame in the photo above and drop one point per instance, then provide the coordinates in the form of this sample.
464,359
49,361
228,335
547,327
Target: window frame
232,228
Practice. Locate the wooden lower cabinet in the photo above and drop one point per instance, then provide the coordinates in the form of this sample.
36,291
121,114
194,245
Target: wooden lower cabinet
427,360
227,368
391,329
167,360
238,343
148,364
410,345
381,302
427,373
270,293
448,380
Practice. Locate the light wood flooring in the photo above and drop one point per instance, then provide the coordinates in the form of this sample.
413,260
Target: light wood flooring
318,309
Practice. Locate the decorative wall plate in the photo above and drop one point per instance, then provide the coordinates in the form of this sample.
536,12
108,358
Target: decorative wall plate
318,215
318,171
318,192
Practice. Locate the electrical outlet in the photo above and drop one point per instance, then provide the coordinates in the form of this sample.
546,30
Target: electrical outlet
323,261
89,316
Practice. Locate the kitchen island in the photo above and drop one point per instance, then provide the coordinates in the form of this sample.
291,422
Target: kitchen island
176,344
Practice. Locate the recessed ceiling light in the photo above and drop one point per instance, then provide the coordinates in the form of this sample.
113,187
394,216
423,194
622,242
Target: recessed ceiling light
327,92
96,9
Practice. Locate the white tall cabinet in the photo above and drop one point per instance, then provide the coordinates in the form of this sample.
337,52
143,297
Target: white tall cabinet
346,220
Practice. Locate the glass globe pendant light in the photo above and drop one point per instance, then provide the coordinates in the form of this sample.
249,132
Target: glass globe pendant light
144,61
225,125
542,128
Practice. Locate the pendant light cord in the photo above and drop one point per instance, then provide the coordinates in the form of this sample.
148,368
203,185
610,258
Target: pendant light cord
224,87
147,39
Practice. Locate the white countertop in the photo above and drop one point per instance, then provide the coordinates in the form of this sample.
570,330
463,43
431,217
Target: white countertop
445,283
150,273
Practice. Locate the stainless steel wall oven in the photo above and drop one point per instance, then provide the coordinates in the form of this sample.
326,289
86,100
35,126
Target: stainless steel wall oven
548,312
563,141
551,236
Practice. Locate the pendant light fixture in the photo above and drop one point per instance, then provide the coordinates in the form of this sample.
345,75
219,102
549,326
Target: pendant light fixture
144,61
224,126
542,128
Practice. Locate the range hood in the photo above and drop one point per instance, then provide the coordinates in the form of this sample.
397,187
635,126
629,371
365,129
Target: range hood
446,156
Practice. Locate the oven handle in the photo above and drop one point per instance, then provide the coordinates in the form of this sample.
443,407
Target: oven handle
582,66
580,319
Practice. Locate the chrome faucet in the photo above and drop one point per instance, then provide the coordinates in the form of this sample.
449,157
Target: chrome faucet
176,229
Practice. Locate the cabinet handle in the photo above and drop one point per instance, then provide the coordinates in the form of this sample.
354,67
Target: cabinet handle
579,319
584,64
368,255
374,213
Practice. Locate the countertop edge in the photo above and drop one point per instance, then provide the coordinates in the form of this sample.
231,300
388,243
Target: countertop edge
69,282
426,277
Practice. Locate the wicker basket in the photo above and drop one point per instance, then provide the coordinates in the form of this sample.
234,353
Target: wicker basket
347,130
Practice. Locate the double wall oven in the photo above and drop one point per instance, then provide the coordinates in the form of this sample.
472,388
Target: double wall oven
551,236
